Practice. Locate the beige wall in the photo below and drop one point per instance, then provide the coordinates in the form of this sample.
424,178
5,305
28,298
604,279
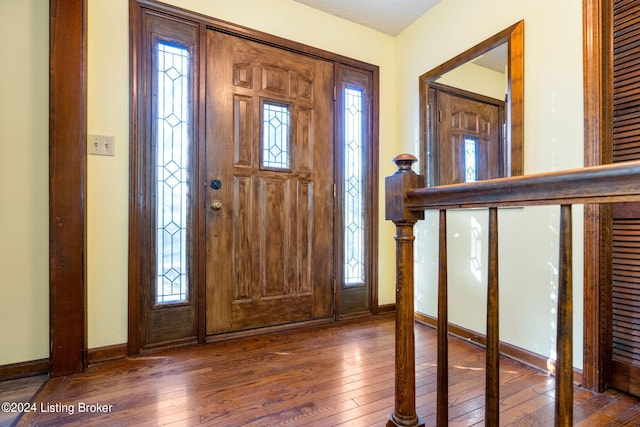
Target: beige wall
553,141
24,180
477,79
553,123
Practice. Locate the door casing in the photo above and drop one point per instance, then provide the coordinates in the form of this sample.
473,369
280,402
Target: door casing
598,107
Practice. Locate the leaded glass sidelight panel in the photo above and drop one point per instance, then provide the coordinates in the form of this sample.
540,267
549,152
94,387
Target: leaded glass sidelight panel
354,262
172,148
275,136
470,160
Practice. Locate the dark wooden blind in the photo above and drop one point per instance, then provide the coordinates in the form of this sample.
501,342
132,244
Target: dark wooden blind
625,255
626,80
626,293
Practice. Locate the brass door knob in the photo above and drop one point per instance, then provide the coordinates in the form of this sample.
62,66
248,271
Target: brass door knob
216,205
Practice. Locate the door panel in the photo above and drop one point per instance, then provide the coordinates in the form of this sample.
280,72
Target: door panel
269,221
460,119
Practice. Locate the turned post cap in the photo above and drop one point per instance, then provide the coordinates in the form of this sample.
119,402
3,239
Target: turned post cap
404,162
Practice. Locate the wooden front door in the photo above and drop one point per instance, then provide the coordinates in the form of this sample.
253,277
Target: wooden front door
467,128
270,193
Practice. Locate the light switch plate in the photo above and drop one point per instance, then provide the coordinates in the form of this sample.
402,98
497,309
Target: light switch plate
101,145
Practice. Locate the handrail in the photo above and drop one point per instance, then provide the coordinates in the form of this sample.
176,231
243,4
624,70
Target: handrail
406,201
597,184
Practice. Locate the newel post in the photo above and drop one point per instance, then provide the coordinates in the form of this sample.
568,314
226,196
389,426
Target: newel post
396,187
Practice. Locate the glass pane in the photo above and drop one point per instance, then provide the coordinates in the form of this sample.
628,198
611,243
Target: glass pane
275,136
172,177
470,169
353,188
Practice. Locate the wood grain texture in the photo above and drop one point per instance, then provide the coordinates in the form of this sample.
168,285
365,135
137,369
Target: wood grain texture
67,186
275,265
18,390
598,123
404,413
625,238
320,376
24,369
564,325
598,184
443,323
492,387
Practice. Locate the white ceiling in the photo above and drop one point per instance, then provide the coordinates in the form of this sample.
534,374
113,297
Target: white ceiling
495,59
387,16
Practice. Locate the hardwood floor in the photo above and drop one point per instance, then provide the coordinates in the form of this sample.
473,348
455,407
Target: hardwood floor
19,390
320,376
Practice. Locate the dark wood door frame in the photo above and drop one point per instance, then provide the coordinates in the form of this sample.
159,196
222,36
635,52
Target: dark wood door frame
135,334
67,186
598,131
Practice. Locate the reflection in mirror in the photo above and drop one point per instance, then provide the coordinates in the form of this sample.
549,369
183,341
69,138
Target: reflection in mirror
485,75
472,112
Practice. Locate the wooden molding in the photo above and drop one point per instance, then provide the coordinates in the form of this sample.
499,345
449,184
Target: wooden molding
386,309
67,185
104,354
251,34
598,107
24,369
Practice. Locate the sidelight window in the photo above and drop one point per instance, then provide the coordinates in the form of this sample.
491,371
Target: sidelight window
172,153
355,192
353,187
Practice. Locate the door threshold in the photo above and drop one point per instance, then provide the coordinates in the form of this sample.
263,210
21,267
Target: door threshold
267,330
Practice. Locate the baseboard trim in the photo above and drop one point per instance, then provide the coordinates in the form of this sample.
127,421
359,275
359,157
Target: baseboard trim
24,369
511,351
106,353
41,366
386,309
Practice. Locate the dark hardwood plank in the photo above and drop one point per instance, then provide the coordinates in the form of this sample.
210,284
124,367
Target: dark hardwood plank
342,374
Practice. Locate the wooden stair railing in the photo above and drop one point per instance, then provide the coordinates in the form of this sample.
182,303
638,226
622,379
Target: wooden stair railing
406,201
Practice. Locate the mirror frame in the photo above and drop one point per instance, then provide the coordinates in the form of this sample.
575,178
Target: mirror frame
514,37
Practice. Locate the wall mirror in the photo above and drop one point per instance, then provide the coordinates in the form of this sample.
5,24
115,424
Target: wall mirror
472,112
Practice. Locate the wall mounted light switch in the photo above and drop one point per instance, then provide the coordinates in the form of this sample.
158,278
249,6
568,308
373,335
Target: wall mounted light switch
101,145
